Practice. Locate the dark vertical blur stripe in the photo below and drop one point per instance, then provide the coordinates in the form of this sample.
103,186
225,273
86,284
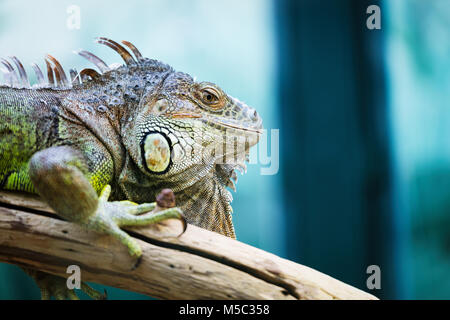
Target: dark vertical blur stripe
335,140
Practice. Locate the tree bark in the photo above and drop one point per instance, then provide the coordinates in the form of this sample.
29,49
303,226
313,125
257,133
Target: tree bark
199,264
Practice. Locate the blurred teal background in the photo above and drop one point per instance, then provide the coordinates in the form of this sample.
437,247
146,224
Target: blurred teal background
364,119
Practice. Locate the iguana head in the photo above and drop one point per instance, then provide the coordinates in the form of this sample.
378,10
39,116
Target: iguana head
186,124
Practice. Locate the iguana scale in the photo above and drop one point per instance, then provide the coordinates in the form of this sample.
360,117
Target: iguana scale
96,145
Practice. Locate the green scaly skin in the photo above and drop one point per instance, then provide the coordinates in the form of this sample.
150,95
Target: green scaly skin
93,149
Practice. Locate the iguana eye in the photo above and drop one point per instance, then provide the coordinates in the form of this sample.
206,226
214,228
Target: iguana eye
210,96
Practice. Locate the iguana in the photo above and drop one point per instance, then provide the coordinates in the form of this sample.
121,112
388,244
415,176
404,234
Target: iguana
94,146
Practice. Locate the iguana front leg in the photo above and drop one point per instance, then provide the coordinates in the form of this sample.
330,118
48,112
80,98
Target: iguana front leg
60,177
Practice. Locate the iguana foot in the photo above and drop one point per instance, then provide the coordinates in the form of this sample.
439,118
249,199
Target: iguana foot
54,286
110,216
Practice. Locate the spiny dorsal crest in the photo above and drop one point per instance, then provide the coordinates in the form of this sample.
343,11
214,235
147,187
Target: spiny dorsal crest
134,67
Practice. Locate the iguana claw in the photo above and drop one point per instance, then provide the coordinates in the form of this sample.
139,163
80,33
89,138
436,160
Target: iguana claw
110,216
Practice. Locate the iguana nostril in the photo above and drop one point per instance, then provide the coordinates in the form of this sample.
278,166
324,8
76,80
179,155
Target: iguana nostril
255,116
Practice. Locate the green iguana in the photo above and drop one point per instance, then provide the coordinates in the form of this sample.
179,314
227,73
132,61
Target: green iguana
96,145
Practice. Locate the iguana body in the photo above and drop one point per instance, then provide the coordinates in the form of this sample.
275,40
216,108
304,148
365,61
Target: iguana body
123,134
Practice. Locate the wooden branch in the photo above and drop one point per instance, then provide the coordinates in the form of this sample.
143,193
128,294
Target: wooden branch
197,265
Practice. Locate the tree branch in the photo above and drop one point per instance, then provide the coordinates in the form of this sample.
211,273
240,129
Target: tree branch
197,265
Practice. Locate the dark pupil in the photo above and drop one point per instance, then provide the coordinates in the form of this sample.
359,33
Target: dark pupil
209,97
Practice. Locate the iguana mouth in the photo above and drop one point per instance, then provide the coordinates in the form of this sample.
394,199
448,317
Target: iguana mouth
184,115
251,128
259,131
219,123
